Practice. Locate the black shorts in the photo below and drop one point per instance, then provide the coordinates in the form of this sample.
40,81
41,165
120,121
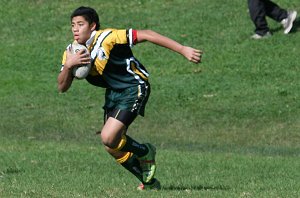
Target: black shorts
126,104
126,117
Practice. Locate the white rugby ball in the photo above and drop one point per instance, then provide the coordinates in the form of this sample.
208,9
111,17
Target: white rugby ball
80,71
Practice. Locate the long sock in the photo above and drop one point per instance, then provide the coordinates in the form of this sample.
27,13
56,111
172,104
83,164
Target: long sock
132,164
128,144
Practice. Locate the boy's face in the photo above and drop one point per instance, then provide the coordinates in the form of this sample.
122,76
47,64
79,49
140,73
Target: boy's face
81,29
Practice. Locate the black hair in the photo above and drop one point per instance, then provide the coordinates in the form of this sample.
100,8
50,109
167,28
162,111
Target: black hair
89,14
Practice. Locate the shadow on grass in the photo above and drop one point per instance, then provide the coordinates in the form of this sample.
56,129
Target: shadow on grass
195,187
296,25
12,170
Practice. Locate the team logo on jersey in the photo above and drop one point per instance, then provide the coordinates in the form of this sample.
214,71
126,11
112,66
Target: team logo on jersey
101,54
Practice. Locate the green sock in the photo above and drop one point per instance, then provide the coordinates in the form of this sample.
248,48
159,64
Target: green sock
135,147
133,165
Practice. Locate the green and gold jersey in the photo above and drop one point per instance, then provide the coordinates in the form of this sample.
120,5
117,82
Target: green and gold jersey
113,64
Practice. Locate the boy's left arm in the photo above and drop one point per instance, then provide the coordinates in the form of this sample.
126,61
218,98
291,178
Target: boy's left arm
193,55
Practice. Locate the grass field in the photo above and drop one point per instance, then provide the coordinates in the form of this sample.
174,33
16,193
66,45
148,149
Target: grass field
229,127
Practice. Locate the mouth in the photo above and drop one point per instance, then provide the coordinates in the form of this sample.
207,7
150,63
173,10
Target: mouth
76,36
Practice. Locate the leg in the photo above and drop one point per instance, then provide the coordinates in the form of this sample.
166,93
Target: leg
112,132
274,11
112,136
286,18
258,16
135,157
129,161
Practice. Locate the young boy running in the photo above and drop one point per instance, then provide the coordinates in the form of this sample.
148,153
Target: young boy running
126,81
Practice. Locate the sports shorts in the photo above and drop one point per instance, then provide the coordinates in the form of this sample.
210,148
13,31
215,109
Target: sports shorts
126,104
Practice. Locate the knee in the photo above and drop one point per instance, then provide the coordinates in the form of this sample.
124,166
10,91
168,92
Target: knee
109,141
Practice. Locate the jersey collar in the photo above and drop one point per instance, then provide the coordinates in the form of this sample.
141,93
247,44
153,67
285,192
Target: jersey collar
91,39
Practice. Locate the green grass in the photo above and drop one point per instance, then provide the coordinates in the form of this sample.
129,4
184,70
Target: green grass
228,127
39,169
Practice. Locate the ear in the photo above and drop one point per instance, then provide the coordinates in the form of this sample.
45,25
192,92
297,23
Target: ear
93,26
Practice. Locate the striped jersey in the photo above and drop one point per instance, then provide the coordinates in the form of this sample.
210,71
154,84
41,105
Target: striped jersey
113,63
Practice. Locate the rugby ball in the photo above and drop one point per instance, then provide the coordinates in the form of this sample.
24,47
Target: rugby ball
80,71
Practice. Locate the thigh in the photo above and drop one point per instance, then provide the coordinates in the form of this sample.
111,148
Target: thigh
112,131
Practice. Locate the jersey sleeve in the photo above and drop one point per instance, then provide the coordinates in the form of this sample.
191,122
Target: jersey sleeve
63,61
64,57
131,37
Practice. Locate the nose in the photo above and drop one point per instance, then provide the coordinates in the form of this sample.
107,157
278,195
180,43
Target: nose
75,28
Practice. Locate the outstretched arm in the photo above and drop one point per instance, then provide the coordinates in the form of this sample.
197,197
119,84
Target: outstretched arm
193,55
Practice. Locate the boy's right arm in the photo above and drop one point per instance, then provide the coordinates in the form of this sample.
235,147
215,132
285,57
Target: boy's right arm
65,77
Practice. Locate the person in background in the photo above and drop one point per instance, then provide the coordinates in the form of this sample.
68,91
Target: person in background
259,9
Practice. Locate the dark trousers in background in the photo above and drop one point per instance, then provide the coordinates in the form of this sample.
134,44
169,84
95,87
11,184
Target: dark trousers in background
259,9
